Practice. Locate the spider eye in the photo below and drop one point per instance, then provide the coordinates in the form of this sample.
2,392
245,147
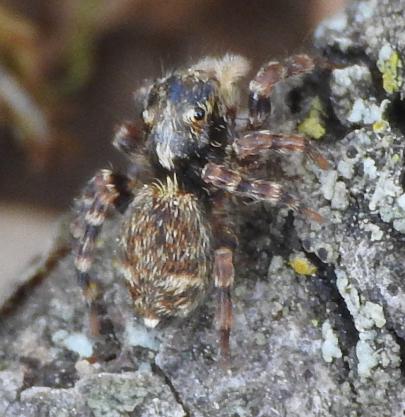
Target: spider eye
199,114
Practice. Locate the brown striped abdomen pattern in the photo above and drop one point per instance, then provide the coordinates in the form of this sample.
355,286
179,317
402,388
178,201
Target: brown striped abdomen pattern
166,253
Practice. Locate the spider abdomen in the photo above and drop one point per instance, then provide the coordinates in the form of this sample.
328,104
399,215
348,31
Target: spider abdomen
166,253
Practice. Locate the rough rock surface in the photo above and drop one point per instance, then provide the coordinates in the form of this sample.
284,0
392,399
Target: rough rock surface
319,310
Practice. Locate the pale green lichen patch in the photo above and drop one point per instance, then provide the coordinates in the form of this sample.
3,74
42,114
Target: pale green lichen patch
365,11
137,334
369,320
375,312
390,65
401,201
328,183
375,232
330,346
366,315
396,158
385,187
369,168
367,358
364,111
313,125
76,342
340,199
276,264
369,112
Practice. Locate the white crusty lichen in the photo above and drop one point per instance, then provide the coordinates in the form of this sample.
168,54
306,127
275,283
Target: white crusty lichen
75,342
365,10
136,334
345,169
377,158
335,191
337,23
340,199
277,263
330,345
366,314
401,201
346,77
367,358
369,168
355,99
366,112
328,182
386,187
376,232
368,318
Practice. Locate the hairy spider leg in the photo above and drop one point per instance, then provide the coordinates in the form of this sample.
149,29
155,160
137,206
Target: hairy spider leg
226,179
263,141
225,242
224,273
265,80
127,138
106,190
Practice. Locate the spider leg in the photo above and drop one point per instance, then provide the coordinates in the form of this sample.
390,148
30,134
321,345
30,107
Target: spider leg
263,141
267,77
223,280
104,191
128,137
225,242
226,179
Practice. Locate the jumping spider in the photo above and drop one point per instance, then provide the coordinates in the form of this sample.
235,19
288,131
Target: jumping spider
187,167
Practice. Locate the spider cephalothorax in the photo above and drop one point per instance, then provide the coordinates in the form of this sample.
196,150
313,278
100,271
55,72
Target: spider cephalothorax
177,236
183,116
189,112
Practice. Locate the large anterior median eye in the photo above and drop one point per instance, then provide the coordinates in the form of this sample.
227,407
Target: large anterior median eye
199,114
195,115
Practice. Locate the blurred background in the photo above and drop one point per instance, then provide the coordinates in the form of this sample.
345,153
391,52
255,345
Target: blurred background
67,72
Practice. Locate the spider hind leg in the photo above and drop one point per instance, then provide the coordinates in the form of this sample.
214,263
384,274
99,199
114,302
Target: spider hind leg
104,191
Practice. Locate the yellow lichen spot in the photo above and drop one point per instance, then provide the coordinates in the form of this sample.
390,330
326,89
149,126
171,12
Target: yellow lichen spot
396,158
380,126
302,265
312,125
390,70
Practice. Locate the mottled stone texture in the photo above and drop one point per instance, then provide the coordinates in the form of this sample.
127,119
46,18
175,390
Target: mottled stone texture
330,344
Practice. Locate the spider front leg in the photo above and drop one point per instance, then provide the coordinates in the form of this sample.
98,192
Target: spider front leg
130,139
106,190
260,190
267,77
263,141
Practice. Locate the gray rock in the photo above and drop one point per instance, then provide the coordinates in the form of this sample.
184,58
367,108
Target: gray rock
129,393
277,365
44,401
11,382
